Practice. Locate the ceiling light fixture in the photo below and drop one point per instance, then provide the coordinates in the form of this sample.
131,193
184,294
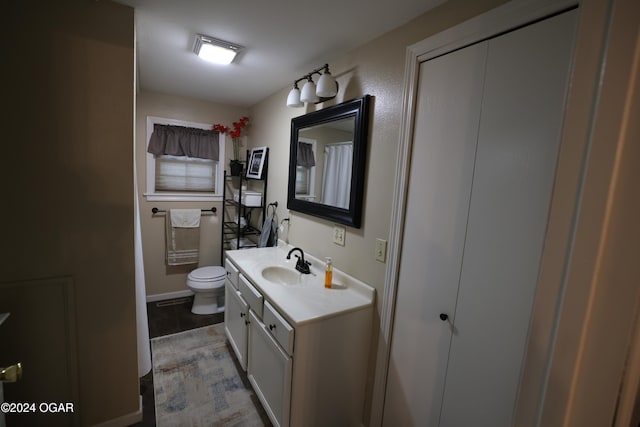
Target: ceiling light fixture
326,89
215,50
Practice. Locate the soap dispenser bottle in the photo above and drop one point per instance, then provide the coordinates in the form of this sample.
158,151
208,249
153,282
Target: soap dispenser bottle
328,273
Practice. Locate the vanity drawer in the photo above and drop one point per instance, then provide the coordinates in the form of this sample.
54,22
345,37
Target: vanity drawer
232,272
250,294
282,331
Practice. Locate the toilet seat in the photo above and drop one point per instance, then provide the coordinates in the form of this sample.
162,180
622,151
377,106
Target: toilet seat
207,274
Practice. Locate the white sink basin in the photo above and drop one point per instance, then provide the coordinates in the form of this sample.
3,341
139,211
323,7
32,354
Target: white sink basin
282,275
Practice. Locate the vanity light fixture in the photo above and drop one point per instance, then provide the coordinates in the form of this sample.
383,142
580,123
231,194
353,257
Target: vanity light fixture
293,100
215,50
308,93
326,89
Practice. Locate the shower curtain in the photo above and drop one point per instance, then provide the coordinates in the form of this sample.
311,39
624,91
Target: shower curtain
336,175
144,347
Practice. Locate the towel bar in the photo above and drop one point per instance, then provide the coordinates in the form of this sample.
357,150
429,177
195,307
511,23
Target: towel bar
156,210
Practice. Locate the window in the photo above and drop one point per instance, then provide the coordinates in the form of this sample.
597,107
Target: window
181,173
306,169
180,177
302,181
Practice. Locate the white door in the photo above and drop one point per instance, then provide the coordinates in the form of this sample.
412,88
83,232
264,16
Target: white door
482,168
518,141
436,214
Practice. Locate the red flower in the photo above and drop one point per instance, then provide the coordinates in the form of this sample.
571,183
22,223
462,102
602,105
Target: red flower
235,133
221,128
237,127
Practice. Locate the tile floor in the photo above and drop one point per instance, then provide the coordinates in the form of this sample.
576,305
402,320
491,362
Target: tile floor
165,318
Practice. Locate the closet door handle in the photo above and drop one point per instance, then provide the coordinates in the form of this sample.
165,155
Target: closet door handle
444,317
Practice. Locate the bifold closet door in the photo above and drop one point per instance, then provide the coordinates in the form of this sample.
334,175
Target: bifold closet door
449,97
518,142
487,130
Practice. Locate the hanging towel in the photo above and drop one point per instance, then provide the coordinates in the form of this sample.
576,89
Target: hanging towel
183,236
269,235
185,218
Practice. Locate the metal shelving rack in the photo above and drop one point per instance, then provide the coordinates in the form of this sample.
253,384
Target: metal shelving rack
234,236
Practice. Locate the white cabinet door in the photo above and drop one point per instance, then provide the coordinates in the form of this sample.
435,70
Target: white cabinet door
236,316
269,372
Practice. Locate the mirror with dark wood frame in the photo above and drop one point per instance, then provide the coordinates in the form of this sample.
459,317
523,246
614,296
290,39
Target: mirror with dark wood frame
327,162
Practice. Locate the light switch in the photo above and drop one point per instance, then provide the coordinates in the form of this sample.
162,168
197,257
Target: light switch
338,235
381,250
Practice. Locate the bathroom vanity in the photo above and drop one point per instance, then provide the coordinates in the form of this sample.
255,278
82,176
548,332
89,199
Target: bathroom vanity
305,347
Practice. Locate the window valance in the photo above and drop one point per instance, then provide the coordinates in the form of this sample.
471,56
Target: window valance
184,141
305,155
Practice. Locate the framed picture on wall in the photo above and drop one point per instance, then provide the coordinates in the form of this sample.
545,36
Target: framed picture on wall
256,162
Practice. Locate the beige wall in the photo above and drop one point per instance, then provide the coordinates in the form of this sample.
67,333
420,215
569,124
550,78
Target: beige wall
68,211
377,69
161,279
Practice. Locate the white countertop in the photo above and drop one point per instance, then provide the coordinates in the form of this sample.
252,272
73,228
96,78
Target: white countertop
307,300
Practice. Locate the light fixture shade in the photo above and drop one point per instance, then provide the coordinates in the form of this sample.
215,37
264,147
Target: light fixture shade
327,86
216,54
309,92
293,100
215,50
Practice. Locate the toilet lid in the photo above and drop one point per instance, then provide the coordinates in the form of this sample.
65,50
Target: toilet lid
206,274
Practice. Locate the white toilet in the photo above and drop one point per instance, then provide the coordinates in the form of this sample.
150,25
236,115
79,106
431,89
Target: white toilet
207,283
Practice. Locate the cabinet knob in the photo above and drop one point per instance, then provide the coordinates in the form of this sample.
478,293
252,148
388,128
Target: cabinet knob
272,327
242,315
444,317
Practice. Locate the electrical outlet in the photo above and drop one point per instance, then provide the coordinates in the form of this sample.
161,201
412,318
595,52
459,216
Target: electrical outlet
338,234
381,250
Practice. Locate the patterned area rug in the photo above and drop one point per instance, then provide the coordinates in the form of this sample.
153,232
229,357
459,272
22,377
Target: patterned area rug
197,382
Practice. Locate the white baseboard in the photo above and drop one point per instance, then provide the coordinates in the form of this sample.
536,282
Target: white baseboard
169,295
125,420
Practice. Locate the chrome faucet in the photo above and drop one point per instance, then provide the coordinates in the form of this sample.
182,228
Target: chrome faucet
301,265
